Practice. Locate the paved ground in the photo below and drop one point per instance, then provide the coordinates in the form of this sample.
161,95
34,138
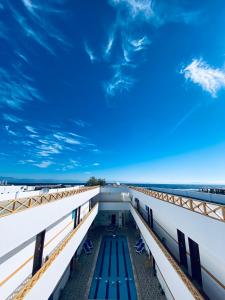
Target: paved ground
148,286
78,286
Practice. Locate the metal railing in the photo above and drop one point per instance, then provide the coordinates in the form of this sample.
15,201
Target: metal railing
17,205
209,209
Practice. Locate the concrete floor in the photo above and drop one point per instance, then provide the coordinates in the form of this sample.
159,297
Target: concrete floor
77,288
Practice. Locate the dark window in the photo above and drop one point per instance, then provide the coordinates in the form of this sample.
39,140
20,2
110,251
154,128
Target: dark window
137,204
182,249
151,218
38,252
195,262
113,219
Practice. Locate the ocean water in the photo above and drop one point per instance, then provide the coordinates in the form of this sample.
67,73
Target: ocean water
178,186
145,185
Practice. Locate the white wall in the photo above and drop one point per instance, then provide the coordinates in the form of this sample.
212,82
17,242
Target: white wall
205,231
19,227
176,285
111,193
48,281
10,265
18,260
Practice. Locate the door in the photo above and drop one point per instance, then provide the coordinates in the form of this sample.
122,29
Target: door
137,204
38,252
74,217
182,249
78,216
195,262
151,218
113,219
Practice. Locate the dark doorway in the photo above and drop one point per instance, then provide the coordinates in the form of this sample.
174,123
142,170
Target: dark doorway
148,214
137,204
195,262
78,215
74,217
38,252
182,250
113,219
151,218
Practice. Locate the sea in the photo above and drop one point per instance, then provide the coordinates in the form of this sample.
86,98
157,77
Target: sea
145,185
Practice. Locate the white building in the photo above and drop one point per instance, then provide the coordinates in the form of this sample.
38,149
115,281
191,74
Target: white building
42,237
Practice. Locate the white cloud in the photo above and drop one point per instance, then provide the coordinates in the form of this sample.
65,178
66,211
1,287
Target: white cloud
16,88
140,44
81,123
90,53
68,140
120,82
135,8
44,164
47,150
211,79
11,118
26,161
110,42
30,129
27,143
131,15
11,132
96,150
37,26
96,164
131,46
70,165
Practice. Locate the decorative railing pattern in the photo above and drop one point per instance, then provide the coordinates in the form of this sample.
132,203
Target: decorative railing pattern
16,205
209,209
195,293
32,281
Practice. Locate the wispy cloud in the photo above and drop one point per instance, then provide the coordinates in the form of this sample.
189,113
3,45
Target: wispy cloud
30,129
134,8
96,150
209,78
36,24
120,82
70,165
96,164
43,164
47,150
11,132
128,32
82,123
26,161
110,42
16,88
11,118
66,139
90,52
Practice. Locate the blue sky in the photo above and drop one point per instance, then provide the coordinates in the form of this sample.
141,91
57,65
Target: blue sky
130,90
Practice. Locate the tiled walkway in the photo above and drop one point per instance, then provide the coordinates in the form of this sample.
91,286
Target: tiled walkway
78,286
147,284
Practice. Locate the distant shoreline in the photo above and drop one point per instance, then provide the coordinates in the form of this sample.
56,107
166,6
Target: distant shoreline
150,185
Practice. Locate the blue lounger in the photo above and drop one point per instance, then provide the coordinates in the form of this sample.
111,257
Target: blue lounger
87,250
89,243
141,248
138,243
